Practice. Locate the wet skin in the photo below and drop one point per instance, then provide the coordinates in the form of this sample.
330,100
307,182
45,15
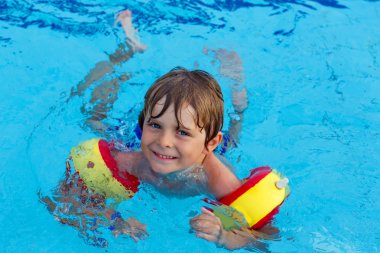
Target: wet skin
171,146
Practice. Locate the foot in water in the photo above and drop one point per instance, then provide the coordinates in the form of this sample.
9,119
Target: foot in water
240,100
231,66
133,40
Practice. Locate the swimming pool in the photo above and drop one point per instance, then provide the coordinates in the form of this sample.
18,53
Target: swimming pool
312,74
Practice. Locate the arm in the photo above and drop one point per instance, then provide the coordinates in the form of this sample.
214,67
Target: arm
73,204
220,179
209,227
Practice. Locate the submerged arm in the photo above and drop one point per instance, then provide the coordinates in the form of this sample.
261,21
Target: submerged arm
75,205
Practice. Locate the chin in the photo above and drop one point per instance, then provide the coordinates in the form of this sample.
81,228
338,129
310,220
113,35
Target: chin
161,169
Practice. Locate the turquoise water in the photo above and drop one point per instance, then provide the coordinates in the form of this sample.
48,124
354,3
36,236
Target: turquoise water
312,74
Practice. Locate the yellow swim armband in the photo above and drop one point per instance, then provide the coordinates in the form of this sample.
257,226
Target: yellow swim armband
255,203
97,168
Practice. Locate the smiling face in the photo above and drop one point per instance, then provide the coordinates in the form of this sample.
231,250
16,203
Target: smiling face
169,145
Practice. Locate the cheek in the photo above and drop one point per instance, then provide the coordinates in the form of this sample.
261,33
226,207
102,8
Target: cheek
194,150
145,137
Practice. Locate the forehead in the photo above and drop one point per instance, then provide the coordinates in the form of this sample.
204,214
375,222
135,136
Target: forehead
185,115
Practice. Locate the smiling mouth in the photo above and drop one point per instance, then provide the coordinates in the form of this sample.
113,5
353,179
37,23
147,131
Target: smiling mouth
164,157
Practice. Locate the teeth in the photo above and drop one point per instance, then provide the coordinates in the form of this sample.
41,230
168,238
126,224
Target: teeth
165,156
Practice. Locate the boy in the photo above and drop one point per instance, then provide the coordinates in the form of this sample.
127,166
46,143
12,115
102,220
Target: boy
181,126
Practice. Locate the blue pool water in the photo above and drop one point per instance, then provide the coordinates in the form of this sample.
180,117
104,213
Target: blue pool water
312,72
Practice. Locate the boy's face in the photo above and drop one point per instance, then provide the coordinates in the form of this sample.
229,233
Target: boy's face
169,147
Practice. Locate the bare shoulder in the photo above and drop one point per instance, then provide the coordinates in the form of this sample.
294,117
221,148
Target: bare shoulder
128,161
221,180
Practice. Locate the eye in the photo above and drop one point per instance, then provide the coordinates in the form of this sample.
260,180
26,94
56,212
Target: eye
183,133
154,125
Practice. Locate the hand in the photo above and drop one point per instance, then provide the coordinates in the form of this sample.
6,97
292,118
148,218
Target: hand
208,226
132,227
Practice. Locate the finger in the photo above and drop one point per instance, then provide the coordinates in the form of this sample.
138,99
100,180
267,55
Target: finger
206,221
199,218
213,231
208,228
207,211
140,236
206,215
211,216
134,238
143,232
137,235
210,238
201,221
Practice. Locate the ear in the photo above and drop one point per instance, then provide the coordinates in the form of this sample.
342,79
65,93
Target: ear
214,142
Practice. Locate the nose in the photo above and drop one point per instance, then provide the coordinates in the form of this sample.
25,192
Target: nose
166,140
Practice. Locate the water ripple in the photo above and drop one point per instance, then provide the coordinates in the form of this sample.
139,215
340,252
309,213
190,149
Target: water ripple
89,18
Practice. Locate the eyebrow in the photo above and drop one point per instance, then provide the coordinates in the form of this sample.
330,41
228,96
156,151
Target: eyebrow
182,126
179,125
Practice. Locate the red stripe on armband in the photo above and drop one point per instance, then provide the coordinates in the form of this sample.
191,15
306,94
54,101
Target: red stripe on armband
127,180
268,218
255,177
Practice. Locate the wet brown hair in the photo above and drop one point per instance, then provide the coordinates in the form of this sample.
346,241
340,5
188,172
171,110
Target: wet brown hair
182,87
